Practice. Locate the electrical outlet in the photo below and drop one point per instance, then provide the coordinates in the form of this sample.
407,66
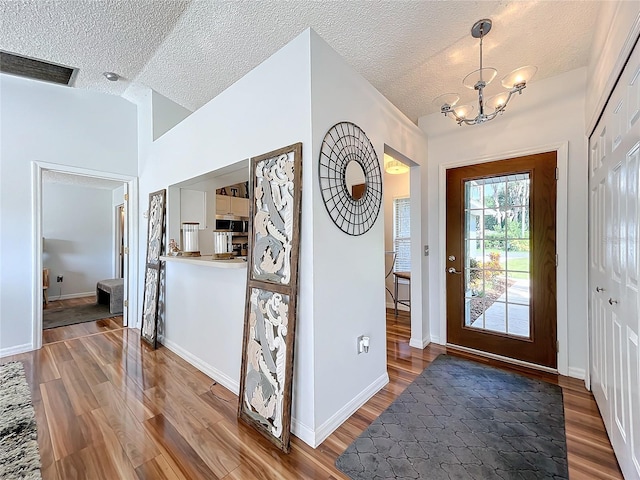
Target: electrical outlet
363,344
59,278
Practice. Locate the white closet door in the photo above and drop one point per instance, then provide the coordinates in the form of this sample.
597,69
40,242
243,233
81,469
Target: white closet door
614,267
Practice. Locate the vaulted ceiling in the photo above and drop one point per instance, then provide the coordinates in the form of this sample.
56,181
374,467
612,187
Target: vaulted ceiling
191,50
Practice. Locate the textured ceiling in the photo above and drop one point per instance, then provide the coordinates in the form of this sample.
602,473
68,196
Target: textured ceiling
191,50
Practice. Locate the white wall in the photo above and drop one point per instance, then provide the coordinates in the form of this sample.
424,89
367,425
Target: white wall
341,278
348,271
395,186
615,33
166,114
47,123
77,225
267,109
548,112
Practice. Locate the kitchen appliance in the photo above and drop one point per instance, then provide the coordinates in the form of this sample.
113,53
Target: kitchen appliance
222,244
232,223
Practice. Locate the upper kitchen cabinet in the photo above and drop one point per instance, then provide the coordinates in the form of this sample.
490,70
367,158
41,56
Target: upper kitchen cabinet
233,200
236,206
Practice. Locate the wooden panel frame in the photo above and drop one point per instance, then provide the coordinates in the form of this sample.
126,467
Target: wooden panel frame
153,267
276,291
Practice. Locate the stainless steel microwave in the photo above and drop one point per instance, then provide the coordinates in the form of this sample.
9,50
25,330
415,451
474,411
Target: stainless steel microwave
234,224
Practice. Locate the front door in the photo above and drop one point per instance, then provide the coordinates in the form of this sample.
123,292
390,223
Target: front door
501,258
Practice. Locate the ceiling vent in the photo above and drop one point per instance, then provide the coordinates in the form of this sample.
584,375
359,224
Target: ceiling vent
36,69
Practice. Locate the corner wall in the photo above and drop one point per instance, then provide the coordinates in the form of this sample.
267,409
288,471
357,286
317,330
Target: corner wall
266,109
548,112
61,125
348,271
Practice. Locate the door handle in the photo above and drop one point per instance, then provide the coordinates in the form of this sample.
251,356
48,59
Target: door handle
613,302
453,270
599,289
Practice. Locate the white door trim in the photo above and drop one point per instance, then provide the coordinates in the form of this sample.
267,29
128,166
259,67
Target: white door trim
36,220
562,150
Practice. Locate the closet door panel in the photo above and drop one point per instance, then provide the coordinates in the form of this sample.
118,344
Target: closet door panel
614,267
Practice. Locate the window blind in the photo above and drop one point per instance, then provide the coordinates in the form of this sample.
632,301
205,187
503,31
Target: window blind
402,234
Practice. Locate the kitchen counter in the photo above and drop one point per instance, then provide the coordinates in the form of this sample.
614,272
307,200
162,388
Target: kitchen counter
207,261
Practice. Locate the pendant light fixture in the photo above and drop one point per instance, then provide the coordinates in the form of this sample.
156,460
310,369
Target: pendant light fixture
490,108
393,166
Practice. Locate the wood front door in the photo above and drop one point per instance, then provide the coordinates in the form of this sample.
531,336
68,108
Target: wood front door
501,258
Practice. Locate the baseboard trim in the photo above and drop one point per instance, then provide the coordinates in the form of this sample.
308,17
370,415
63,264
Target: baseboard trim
5,352
72,295
417,343
220,377
401,307
303,432
436,340
338,418
578,373
299,429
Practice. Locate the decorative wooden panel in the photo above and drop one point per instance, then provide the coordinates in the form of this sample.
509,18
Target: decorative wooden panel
155,238
272,290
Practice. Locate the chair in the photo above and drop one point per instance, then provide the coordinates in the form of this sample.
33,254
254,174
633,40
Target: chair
45,285
407,302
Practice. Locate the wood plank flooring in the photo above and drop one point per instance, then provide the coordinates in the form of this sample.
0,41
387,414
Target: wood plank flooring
108,407
52,335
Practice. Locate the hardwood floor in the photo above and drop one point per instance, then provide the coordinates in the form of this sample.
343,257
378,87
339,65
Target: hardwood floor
109,407
59,334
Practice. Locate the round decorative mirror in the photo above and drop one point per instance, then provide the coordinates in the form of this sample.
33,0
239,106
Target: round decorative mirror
355,180
350,178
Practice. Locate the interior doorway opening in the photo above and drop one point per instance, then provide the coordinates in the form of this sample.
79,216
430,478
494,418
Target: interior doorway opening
397,237
75,243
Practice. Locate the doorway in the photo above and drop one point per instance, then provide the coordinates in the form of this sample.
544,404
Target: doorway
501,258
71,275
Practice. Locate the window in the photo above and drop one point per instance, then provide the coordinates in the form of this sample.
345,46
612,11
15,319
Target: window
402,234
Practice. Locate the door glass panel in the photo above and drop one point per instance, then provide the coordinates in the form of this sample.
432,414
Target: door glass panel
495,318
518,223
473,223
518,259
497,260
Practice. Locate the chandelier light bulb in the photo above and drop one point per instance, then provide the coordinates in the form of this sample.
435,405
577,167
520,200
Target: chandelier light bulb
497,101
463,111
520,76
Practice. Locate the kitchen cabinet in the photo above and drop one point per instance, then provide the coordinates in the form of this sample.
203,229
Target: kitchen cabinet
227,205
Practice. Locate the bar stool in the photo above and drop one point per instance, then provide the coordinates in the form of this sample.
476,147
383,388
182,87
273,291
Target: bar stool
396,301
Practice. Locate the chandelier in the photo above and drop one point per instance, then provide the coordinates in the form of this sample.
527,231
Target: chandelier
490,108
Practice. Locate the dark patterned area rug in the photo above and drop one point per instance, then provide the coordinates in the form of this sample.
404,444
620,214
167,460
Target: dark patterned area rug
79,314
463,420
19,456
